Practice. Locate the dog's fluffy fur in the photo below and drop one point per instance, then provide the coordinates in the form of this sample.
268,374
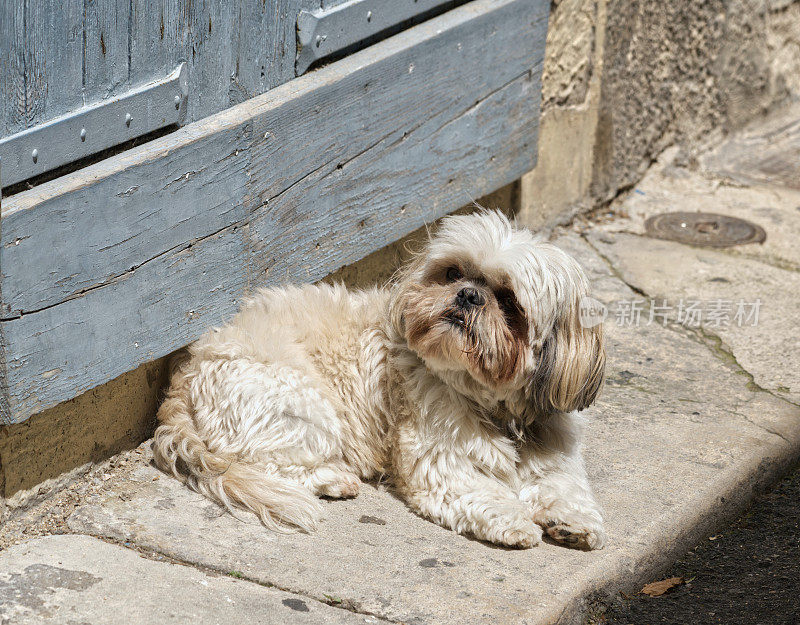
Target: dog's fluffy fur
461,380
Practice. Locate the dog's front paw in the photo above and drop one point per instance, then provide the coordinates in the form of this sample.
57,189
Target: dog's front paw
336,483
521,535
575,529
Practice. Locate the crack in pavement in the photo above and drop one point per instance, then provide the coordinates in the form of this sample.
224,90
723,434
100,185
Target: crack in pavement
712,342
159,556
759,425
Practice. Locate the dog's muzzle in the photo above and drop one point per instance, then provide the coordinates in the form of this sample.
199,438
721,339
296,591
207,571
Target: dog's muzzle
469,297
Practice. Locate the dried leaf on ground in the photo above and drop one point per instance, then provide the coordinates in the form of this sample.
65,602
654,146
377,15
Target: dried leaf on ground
656,589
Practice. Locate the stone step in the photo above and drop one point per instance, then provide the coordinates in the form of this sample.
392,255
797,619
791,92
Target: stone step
677,442
71,579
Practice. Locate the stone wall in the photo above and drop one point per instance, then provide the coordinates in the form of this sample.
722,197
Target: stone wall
624,79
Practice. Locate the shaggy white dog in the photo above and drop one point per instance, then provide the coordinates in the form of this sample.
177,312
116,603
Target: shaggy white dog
461,381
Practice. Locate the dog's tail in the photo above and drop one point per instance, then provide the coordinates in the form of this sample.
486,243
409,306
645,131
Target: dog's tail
280,503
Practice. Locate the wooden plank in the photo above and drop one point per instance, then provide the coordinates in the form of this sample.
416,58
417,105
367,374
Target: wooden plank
42,364
106,25
54,67
30,34
334,217
329,168
265,45
105,227
234,50
210,55
313,123
13,109
57,56
157,39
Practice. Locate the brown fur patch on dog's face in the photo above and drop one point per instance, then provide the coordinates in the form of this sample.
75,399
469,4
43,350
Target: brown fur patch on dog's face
522,338
489,340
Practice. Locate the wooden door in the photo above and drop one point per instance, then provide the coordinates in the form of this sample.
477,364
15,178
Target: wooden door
281,166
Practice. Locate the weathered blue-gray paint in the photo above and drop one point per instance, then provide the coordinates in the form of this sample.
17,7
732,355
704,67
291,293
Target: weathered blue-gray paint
91,129
46,45
108,219
60,55
5,397
326,31
146,250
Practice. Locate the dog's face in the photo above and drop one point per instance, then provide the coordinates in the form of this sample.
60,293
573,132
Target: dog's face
492,301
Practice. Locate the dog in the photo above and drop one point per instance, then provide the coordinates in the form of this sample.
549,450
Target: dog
461,380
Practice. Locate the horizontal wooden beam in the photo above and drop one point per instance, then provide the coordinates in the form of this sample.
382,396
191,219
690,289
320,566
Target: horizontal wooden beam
135,256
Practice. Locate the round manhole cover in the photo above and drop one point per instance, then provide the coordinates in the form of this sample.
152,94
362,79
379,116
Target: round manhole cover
704,229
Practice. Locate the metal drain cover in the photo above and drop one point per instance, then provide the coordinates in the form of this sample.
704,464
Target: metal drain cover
704,229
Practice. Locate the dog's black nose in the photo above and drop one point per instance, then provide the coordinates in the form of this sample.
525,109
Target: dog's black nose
469,297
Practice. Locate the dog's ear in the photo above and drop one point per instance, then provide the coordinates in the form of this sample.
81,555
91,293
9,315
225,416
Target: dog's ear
401,283
571,366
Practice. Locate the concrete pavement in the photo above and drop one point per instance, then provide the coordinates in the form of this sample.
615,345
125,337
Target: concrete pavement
80,579
693,420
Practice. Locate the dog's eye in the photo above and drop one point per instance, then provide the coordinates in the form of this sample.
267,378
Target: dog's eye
454,274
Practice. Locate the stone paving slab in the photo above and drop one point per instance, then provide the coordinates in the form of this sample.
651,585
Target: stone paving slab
768,272
668,187
81,580
770,349
767,152
678,440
